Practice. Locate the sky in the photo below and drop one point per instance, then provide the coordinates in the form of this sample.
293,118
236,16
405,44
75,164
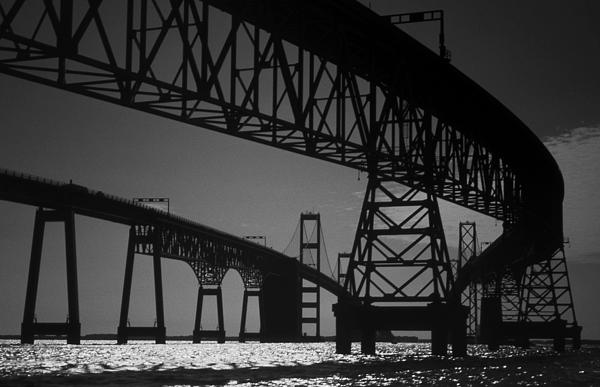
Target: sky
539,58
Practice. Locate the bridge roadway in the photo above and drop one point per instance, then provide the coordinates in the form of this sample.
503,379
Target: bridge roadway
281,275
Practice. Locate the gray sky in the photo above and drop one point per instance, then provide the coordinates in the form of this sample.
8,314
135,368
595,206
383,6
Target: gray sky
540,58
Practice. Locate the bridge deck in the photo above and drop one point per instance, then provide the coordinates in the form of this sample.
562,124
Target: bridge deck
36,191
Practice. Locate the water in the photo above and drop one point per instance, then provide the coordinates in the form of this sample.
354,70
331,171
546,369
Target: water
96,363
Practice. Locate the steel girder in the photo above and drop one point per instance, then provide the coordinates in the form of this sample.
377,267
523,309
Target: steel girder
209,258
189,61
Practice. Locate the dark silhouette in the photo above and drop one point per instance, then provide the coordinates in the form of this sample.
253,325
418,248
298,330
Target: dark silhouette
334,81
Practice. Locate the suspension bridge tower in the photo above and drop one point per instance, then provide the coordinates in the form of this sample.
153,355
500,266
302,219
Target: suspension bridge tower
310,254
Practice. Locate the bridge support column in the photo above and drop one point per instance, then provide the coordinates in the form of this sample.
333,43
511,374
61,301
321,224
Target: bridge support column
439,328
439,340
458,333
71,328
547,302
491,322
347,315
559,335
251,335
219,334
471,296
310,254
400,258
367,341
576,336
158,332
522,342
158,299
343,337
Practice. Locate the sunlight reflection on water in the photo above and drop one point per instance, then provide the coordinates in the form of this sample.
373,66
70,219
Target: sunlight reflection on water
308,364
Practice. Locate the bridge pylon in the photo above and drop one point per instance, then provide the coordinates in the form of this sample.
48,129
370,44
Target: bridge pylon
72,327
531,303
471,296
547,302
500,303
209,281
146,240
400,273
310,254
218,334
251,292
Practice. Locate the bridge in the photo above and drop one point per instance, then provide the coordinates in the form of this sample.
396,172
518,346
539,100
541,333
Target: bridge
331,80
274,277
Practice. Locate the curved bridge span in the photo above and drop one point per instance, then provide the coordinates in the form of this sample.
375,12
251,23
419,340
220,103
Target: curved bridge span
328,79
331,80
209,252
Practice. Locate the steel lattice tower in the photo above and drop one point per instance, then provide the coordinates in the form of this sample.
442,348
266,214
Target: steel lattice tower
471,297
400,253
546,295
310,254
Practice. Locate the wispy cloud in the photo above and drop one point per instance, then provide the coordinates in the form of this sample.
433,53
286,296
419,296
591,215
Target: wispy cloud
359,194
576,136
578,155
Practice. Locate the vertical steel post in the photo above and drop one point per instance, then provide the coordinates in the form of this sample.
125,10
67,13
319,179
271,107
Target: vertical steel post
122,329
221,337
73,326
198,321
158,290
242,336
27,334
261,315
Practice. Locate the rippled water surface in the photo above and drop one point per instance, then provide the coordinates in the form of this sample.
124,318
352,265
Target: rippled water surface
183,364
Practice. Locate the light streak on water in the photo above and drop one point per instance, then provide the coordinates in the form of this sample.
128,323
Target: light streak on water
308,364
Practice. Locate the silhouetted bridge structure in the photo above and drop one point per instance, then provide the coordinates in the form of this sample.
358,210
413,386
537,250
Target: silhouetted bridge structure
273,276
332,80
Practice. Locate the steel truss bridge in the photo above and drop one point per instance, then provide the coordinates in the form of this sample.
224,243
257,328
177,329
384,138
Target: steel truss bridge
331,80
272,276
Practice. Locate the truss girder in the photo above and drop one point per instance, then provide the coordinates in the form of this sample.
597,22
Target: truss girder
189,61
210,258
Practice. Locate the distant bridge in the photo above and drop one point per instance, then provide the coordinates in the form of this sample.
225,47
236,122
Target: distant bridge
210,253
332,80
